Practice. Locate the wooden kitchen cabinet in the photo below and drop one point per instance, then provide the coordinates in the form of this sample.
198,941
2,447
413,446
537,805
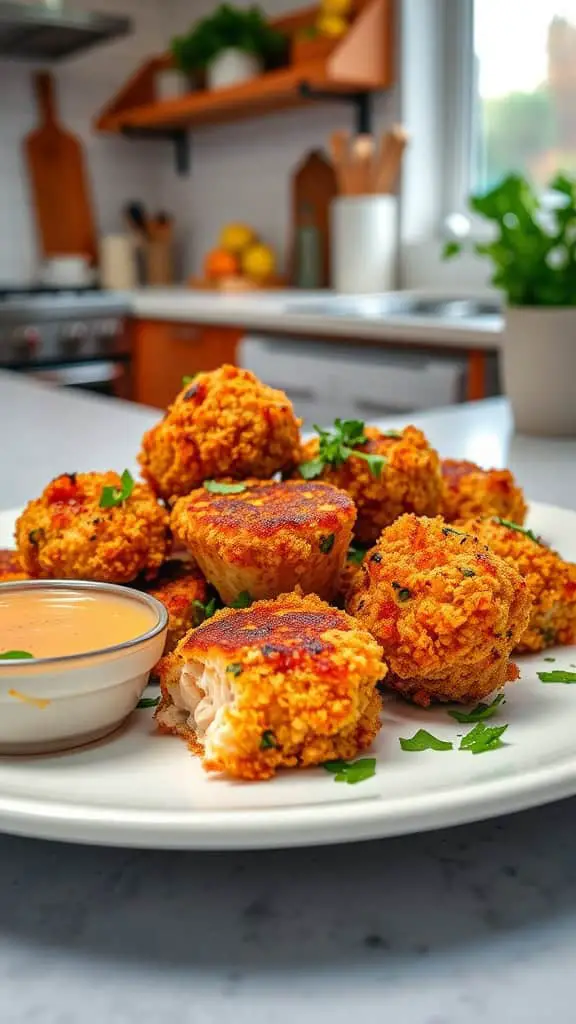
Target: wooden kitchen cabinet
165,351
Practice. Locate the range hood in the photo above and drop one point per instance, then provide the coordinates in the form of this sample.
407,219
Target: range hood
52,31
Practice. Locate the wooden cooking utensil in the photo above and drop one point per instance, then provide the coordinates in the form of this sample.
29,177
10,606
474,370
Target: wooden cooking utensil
363,164
389,162
60,190
340,154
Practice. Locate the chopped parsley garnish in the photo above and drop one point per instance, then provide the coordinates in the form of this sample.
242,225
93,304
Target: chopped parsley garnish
235,669
466,572
424,740
396,434
337,445
219,487
244,600
403,593
327,543
15,655
351,771
188,378
203,611
483,738
557,675
356,554
113,496
480,712
268,740
446,530
549,659
148,702
519,529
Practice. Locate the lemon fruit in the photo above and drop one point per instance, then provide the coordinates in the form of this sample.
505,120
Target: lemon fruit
340,8
258,262
332,25
236,237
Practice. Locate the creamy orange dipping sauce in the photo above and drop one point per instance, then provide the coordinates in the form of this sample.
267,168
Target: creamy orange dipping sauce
54,622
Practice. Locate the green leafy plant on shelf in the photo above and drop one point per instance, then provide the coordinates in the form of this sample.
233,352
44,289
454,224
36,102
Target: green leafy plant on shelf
533,251
229,28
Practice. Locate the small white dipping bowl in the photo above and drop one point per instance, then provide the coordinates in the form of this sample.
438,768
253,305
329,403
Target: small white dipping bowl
52,704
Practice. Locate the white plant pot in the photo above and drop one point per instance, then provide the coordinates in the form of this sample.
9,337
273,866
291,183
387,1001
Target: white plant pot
539,369
231,67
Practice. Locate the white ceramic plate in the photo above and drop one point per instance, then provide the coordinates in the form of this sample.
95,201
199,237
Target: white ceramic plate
140,789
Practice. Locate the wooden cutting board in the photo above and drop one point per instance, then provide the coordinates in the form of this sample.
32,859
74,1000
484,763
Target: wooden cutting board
313,187
59,183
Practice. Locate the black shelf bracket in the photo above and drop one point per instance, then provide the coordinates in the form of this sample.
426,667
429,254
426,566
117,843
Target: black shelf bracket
360,101
177,136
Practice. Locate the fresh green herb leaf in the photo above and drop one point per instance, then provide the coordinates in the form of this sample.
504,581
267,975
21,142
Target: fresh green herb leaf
424,740
148,702
244,600
327,543
376,463
188,378
446,530
519,529
15,655
268,740
310,470
219,487
480,712
203,611
483,738
557,675
352,771
113,496
356,554
396,434
466,572
549,659
404,594
235,669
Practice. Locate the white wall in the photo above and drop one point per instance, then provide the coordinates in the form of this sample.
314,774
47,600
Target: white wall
119,170
241,171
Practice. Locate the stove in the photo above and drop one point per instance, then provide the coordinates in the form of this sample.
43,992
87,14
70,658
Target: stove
74,337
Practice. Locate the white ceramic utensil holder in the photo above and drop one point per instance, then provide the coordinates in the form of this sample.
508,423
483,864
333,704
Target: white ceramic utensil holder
364,243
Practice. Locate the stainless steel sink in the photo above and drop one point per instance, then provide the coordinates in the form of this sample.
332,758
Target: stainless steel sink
398,306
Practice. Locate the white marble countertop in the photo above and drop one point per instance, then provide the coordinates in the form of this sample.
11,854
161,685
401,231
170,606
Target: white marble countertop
293,312
454,927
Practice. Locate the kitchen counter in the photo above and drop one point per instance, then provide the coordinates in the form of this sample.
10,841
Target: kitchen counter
453,927
293,312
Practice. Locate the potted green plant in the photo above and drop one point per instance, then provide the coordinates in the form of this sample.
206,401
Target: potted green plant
533,252
232,45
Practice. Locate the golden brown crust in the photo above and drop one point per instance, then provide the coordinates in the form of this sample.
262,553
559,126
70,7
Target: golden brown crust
446,610
180,586
469,491
269,538
409,482
551,583
223,423
303,682
65,534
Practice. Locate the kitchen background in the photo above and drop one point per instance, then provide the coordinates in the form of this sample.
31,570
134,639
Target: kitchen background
424,352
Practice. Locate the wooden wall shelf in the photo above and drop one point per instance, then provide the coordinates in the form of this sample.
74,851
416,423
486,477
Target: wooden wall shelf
359,64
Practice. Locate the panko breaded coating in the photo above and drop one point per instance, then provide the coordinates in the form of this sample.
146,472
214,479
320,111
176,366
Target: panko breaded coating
551,582
66,534
268,539
285,683
11,570
225,423
446,610
182,588
469,491
410,480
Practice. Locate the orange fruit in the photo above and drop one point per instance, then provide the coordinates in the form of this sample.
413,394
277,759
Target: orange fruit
220,263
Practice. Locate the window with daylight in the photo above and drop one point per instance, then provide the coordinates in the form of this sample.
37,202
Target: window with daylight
511,92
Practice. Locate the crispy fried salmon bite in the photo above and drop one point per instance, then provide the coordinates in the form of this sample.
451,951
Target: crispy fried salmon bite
285,683
93,526
550,580
182,588
225,423
385,473
263,539
469,491
446,610
11,570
